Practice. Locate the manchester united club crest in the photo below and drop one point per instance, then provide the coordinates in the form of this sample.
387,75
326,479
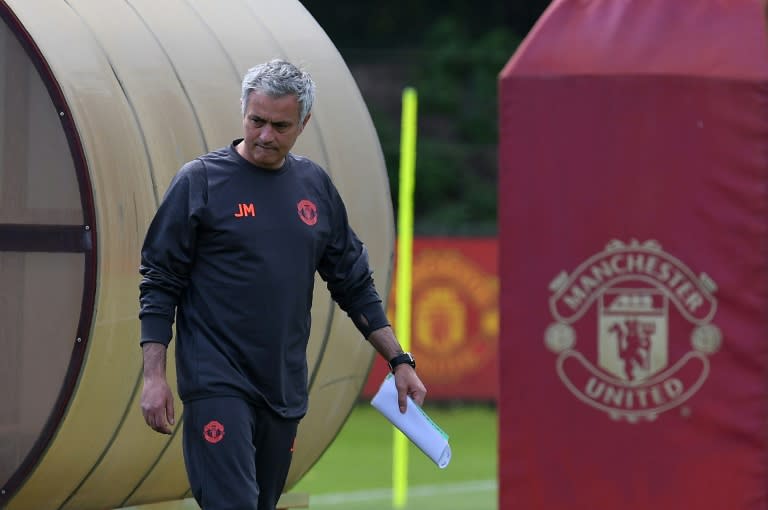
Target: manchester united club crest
643,321
307,212
213,432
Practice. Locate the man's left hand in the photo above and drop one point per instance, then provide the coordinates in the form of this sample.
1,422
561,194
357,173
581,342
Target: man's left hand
408,384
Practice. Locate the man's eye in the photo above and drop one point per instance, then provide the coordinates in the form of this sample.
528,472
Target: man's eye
257,122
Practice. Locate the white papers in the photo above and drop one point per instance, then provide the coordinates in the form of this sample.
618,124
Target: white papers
414,423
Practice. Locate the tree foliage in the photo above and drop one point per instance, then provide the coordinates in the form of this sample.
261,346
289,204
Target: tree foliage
452,52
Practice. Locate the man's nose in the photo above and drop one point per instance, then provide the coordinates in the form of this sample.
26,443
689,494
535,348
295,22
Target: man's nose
267,132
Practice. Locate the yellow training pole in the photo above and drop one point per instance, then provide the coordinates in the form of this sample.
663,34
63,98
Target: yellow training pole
404,281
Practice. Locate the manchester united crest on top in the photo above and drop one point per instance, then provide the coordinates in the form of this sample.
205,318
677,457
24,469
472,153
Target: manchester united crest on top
633,330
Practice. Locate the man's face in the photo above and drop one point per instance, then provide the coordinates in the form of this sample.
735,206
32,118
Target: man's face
271,127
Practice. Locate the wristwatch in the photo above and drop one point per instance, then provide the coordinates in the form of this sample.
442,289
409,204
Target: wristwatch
405,357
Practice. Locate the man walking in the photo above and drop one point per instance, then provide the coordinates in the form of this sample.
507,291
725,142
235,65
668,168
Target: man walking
231,254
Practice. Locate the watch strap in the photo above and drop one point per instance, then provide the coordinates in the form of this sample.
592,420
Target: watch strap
405,357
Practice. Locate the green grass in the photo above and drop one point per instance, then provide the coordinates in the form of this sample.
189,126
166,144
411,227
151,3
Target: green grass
356,470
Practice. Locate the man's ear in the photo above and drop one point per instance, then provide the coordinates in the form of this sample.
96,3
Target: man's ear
306,119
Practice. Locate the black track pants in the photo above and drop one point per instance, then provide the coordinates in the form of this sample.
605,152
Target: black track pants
237,455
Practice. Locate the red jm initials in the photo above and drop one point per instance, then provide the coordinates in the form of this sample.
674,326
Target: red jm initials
245,210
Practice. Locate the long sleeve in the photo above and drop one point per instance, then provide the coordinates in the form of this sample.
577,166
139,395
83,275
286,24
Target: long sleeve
346,270
169,251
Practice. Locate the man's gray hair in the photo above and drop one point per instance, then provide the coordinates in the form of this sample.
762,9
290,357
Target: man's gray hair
278,78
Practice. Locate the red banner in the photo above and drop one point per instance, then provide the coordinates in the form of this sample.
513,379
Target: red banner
634,276
454,332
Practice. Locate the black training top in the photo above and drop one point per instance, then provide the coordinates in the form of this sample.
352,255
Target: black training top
233,250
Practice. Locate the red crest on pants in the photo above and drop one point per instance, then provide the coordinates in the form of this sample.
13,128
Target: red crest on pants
213,432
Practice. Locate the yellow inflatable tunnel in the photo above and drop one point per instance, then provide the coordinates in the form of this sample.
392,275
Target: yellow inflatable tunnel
101,101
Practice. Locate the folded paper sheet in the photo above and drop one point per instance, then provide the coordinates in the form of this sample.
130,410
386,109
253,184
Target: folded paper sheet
414,423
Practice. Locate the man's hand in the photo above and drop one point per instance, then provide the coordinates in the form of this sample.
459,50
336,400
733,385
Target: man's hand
156,397
157,404
408,384
406,380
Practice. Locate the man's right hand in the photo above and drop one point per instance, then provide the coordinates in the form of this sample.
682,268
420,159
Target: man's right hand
157,404
156,397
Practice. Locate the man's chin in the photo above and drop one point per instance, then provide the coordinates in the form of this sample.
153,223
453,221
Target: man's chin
263,162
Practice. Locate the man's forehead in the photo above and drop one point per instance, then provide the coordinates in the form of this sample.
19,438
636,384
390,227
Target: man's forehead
261,96
261,104
281,109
